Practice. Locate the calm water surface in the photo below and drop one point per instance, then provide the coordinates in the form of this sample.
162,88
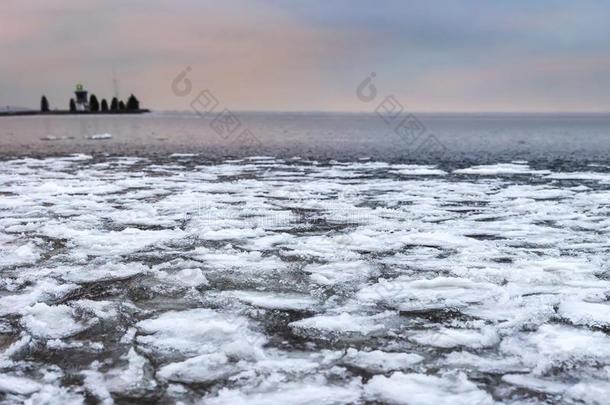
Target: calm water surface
462,137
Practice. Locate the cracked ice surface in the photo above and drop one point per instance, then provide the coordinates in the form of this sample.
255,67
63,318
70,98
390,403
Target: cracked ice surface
291,281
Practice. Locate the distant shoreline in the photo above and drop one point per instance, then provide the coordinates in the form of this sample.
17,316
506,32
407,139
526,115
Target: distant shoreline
67,112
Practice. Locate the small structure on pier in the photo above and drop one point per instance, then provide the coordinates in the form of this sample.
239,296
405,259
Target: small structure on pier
82,102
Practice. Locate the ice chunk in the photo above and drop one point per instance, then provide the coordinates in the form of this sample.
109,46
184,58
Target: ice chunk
27,253
418,170
52,394
134,379
342,323
18,385
558,345
185,277
97,242
199,331
338,273
100,136
96,386
534,383
100,309
274,300
439,292
51,322
421,389
449,338
250,263
592,176
585,313
200,369
501,169
497,364
595,392
377,361
45,289
105,272
232,233
304,393
182,155
438,239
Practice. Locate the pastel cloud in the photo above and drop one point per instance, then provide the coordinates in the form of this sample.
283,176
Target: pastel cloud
310,55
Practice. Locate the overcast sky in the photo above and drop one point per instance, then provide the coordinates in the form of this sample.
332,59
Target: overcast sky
477,55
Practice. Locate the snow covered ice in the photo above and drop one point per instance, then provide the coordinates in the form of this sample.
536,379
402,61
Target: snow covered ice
262,280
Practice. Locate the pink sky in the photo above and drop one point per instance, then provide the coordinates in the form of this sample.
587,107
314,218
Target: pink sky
279,55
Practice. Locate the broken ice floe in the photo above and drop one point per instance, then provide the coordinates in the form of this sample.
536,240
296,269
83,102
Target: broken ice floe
263,280
96,137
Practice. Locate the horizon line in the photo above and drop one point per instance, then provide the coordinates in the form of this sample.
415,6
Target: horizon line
237,111
373,112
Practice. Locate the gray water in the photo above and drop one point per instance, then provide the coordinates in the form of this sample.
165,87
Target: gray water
453,138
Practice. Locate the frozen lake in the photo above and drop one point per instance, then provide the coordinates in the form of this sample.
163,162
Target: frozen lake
480,276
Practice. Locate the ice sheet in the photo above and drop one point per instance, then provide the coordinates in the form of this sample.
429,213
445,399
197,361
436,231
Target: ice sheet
262,280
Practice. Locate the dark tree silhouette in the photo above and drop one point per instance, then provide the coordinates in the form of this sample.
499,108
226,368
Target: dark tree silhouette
121,106
72,105
133,104
94,105
104,105
114,104
44,104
